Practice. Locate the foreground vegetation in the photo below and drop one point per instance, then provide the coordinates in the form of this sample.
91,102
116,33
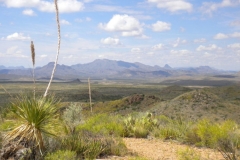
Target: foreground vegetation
67,129
99,135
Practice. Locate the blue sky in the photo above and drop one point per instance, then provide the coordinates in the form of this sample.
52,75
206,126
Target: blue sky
181,33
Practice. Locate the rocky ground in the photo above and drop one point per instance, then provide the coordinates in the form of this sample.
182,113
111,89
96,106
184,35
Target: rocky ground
153,149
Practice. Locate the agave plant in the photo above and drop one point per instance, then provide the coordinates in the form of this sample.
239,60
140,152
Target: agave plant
37,117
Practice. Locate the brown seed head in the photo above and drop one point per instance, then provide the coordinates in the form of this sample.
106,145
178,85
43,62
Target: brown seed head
33,53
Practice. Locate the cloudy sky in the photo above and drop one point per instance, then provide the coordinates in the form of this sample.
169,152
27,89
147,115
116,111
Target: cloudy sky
180,33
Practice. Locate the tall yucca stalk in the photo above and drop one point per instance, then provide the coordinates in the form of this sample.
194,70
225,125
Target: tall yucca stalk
33,63
58,48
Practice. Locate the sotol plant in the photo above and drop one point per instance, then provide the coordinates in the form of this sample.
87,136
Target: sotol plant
38,117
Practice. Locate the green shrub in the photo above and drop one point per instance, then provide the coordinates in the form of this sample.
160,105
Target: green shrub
191,136
90,145
72,116
93,149
103,123
52,144
139,125
61,155
140,131
188,154
167,132
116,147
171,129
74,142
211,133
230,146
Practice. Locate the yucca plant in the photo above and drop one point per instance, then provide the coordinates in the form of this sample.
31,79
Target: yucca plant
37,117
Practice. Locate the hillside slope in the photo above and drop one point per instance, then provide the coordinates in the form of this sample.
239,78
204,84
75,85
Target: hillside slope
175,101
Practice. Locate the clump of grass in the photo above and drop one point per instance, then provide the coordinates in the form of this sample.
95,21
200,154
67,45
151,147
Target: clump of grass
171,129
89,145
137,158
188,154
61,155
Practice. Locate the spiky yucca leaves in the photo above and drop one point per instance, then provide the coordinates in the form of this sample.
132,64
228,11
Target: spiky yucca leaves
38,117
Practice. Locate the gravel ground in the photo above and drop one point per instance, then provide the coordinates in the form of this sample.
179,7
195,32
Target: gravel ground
159,150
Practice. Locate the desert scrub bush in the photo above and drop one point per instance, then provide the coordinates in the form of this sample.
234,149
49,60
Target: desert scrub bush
73,142
171,129
72,116
116,147
211,133
89,145
103,123
61,155
188,154
139,125
229,146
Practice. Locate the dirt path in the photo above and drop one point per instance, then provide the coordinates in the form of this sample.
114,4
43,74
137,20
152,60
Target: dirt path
159,150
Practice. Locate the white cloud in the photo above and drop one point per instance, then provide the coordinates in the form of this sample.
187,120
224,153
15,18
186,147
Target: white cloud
17,36
235,35
182,29
209,7
179,41
201,40
64,22
88,19
135,50
110,41
79,20
46,6
173,5
220,36
234,46
182,52
158,47
13,50
127,25
43,55
235,23
69,57
208,48
28,12
160,26
118,9
87,1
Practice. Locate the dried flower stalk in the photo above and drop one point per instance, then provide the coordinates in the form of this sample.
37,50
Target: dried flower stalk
58,48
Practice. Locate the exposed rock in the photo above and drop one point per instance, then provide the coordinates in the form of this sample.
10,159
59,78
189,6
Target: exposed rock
135,99
15,150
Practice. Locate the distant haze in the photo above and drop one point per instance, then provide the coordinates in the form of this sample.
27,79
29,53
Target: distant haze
105,68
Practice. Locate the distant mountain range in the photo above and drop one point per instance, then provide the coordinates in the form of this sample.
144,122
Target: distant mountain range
106,69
